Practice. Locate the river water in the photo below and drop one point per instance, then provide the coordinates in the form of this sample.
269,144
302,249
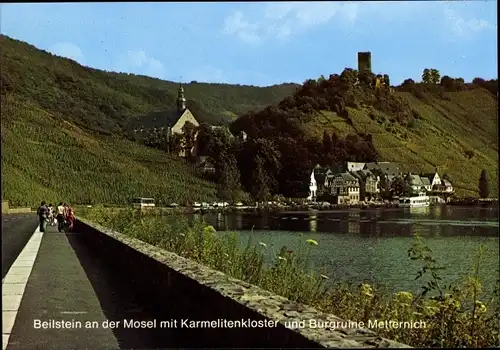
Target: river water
371,245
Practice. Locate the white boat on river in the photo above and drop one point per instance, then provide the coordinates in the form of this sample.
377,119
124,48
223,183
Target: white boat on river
414,202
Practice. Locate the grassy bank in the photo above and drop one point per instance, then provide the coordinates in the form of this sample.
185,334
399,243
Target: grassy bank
454,315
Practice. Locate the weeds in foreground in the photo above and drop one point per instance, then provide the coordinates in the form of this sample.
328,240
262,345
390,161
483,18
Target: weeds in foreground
453,314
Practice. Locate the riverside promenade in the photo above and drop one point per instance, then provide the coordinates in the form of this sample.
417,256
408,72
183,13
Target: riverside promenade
98,289
50,277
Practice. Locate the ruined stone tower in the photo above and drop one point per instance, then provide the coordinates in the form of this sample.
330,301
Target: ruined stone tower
364,62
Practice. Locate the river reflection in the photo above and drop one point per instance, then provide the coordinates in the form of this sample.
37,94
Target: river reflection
371,245
434,221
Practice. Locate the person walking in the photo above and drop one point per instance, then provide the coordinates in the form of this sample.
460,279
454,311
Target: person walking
70,219
43,213
51,215
60,217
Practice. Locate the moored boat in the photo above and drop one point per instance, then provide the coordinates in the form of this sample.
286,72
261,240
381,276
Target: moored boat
414,202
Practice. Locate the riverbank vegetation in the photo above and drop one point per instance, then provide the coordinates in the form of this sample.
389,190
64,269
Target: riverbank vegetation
455,315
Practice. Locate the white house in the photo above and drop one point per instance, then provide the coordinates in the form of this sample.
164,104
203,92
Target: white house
434,178
313,187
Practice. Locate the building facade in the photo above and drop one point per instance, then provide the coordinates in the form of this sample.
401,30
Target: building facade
345,188
167,122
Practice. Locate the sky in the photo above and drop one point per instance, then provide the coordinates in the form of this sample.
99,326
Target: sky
264,43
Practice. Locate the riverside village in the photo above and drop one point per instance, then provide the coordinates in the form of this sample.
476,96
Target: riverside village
346,184
250,179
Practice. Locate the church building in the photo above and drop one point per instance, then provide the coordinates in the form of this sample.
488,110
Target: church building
173,120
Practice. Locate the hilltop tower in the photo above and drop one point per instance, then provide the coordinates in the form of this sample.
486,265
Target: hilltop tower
364,62
181,100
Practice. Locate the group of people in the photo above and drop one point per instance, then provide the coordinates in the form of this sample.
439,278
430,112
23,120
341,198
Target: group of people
63,215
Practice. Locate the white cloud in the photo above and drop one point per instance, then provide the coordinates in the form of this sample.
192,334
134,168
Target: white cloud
281,20
310,14
245,31
464,28
68,50
139,62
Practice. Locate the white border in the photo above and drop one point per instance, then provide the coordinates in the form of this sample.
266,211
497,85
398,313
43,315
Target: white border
14,284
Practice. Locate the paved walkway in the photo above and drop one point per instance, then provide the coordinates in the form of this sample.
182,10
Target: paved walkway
47,287
57,278
16,231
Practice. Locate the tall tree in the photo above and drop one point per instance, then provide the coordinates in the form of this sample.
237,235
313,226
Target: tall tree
268,153
260,150
400,187
189,131
260,181
484,188
228,177
426,76
435,76
295,171
448,83
203,139
387,81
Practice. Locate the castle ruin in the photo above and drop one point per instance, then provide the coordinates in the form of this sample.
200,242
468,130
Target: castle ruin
364,62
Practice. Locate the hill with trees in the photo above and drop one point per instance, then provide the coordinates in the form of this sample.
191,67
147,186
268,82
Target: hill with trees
441,123
103,101
63,130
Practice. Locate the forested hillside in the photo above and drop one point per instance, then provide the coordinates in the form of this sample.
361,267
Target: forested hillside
62,130
444,124
103,101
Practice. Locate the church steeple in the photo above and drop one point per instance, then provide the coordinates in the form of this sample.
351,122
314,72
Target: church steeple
181,100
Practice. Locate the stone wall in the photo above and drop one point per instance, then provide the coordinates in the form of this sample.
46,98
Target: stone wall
180,288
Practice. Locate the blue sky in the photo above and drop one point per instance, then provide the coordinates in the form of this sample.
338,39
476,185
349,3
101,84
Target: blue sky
264,43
